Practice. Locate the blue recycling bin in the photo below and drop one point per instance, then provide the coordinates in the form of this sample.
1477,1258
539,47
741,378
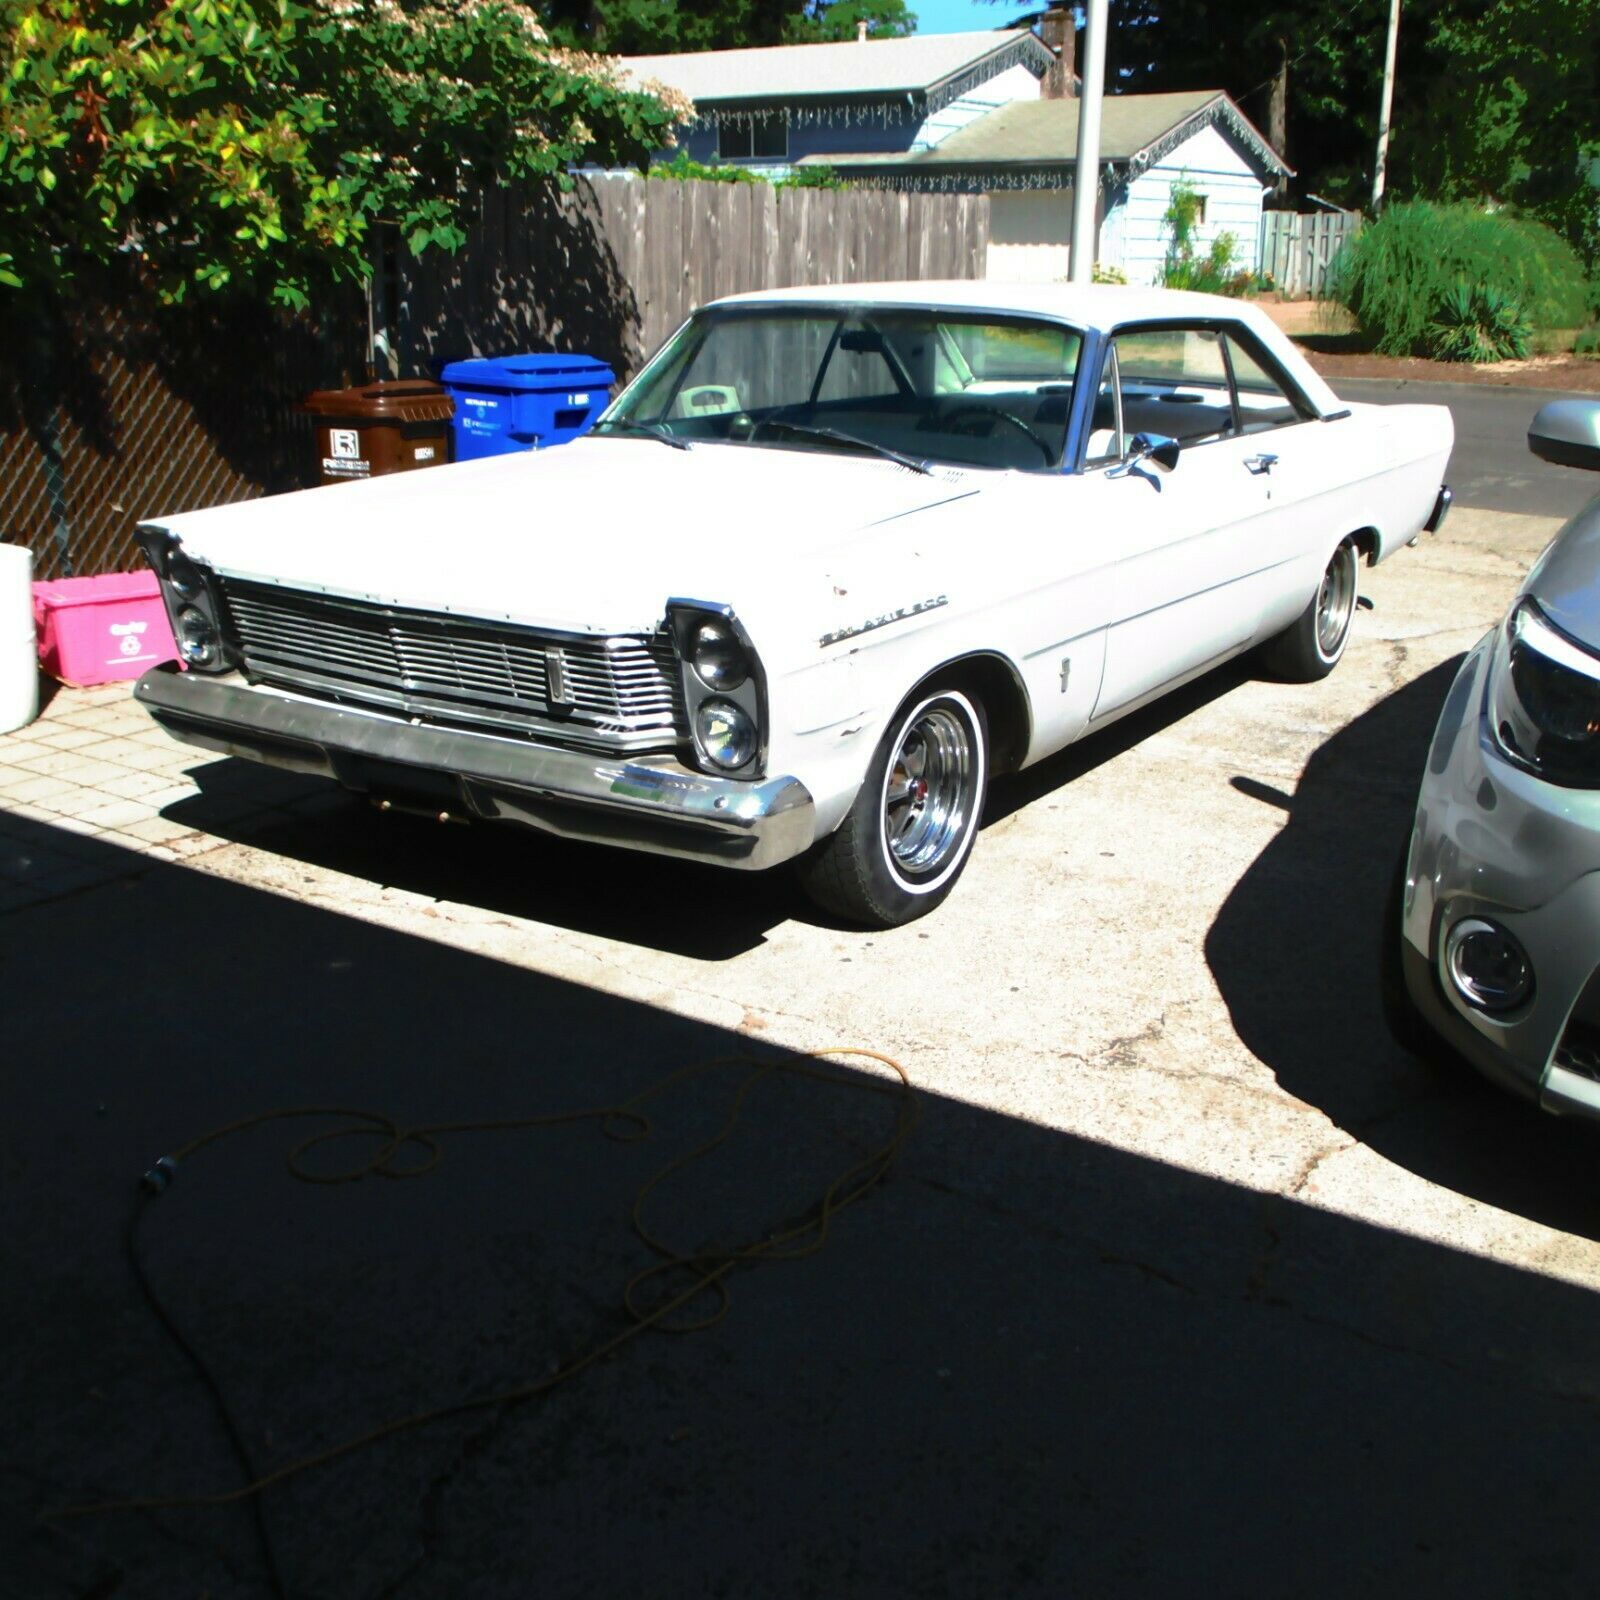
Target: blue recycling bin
510,403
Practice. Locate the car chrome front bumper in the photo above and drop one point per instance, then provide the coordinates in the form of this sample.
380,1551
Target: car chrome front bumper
1491,841
656,804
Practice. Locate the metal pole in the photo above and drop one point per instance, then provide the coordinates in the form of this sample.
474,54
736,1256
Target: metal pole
1388,104
1086,177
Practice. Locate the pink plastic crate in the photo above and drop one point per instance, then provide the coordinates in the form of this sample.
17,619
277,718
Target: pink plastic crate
101,630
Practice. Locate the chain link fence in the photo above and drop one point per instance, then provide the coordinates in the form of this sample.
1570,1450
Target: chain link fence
124,410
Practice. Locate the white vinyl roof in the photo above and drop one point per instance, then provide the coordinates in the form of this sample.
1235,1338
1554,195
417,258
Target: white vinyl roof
1101,306
871,67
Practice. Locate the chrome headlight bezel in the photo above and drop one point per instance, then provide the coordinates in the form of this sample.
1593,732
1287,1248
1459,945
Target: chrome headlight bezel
748,693
1542,704
188,590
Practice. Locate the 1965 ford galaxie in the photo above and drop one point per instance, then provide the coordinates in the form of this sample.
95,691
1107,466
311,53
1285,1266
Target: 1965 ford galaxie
831,561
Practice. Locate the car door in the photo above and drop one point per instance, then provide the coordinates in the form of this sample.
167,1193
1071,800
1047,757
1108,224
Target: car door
1302,470
1187,541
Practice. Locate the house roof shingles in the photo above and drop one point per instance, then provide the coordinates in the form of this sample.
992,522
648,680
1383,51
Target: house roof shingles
1136,131
874,68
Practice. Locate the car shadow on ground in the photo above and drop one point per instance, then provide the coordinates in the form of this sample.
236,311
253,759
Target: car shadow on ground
1295,952
681,907
1011,794
1028,1364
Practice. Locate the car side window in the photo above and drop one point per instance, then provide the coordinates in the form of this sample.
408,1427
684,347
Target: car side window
1174,381
1263,401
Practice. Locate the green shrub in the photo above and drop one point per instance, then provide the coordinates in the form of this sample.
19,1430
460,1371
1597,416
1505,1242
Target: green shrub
1477,322
1587,343
1397,273
681,168
811,178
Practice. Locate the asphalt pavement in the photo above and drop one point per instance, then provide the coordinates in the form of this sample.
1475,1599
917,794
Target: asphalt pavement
1491,467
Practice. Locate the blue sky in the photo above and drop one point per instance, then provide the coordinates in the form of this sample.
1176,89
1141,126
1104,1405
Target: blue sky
965,16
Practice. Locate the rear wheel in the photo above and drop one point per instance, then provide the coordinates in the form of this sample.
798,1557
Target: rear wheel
1310,647
909,832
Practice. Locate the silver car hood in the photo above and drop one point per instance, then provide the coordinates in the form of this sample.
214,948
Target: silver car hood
1565,580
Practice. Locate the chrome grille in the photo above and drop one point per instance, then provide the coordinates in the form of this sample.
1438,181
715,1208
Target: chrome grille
620,693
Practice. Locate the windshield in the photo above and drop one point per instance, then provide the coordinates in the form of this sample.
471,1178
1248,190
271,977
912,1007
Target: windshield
968,388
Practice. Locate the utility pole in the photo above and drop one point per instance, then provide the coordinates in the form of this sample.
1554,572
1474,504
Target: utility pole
1387,106
1086,177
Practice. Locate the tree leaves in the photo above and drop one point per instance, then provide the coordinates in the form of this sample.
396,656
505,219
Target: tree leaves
251,144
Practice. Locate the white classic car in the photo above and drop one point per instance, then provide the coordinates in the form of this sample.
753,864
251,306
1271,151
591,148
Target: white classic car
831,561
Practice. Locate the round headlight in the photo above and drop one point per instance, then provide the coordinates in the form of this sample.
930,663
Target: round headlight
726,733
717,656
184,575
197,637
1489,968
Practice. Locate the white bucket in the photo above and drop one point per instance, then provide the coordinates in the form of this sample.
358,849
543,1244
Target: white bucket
19,650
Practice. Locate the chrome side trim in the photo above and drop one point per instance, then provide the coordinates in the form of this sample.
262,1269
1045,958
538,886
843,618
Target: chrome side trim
659,806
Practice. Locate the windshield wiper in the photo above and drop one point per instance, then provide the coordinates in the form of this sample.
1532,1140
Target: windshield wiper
652,430
848,439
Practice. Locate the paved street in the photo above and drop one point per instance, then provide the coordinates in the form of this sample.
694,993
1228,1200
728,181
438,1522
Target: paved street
1187,1281
1492,467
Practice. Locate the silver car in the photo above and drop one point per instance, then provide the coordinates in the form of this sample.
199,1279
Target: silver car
1494,936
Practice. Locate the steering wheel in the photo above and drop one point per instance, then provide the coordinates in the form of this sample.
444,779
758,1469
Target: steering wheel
953,418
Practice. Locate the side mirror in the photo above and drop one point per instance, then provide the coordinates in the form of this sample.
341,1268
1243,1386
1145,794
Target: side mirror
1155,448
1567,432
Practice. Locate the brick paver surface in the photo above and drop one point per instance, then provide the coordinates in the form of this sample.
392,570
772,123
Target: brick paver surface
95,766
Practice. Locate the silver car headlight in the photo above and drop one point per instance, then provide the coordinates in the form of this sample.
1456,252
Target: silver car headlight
717,656
193,607
724,688
726,733
1544,700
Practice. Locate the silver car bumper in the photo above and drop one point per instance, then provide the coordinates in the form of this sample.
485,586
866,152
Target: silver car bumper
655,804
1493,841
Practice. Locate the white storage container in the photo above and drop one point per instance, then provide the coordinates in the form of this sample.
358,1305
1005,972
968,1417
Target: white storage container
19,650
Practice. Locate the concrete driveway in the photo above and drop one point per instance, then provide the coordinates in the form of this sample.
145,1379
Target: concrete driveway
1186,1281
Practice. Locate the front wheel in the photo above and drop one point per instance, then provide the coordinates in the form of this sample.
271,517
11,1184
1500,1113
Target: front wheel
908,834
1310,647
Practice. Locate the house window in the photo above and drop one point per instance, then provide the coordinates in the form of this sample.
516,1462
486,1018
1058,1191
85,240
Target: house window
1199,211
765,139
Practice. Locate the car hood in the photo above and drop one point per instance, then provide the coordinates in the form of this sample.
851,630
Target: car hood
594,536
1565,580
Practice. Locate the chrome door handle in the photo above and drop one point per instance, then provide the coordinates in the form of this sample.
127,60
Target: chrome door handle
1259,464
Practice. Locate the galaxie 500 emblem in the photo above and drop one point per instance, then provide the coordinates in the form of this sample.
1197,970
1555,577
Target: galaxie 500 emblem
897,615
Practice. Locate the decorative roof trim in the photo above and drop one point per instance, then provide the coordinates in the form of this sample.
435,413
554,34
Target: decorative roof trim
826,111
924,178
1222,110
1027,49
847,108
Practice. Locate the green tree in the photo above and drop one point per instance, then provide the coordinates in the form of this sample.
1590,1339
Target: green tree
253,143
1513,113
670,27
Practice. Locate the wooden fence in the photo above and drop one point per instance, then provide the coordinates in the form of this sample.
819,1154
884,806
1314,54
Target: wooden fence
1298,249
615,264
131,410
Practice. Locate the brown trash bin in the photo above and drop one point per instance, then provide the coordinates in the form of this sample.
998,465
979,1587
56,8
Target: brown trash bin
378,428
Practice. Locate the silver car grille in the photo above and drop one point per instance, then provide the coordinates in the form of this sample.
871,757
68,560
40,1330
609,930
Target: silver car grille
619,693
1579,1049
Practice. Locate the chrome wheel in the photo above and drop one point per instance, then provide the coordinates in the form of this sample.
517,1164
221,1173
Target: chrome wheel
1336,601
927,793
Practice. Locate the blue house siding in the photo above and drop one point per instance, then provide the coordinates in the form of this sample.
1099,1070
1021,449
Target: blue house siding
1211,166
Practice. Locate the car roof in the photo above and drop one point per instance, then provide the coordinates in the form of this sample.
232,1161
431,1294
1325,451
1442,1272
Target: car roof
1100,305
